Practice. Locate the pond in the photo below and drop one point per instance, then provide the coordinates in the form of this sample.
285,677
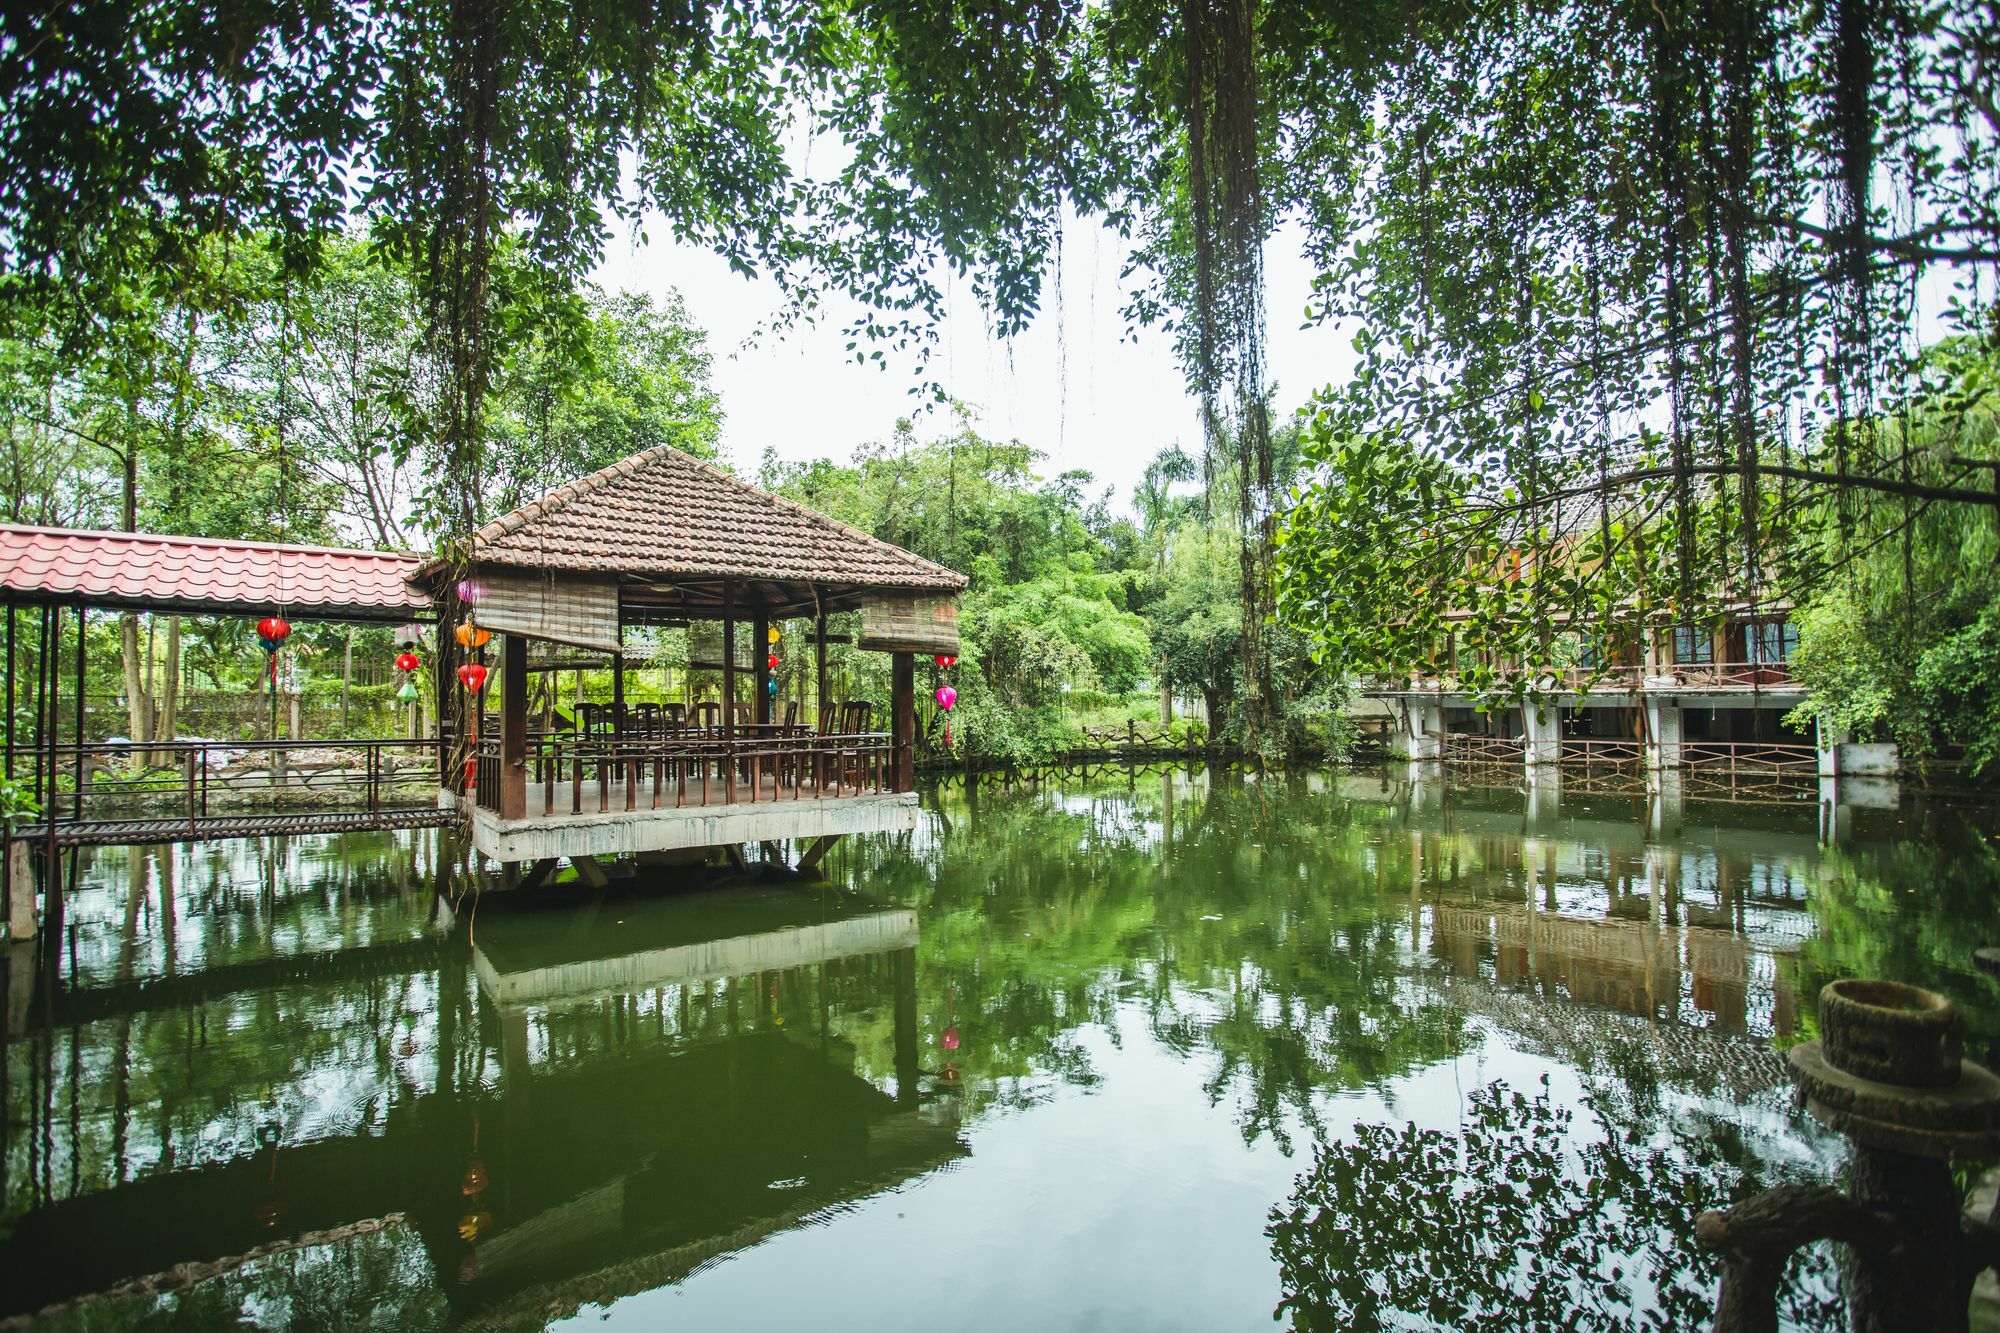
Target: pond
1183,1050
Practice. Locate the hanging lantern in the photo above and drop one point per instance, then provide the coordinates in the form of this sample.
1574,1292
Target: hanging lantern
771,687
272,631
772,662
471,636
945,660
946,697
772,635
472,676
950,1038
406,662
408,694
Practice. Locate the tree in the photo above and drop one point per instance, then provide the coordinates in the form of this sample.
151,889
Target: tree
1632,288
632,373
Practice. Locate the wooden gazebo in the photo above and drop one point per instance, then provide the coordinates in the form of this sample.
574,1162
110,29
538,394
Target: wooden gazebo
663,539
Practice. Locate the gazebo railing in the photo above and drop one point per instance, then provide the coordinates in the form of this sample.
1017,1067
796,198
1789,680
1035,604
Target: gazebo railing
672,768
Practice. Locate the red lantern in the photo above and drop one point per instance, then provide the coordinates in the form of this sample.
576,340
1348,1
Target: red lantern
772,661
273,630
406,661
472,676
945,660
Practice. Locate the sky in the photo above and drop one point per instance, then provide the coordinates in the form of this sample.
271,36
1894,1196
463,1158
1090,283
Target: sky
1077,385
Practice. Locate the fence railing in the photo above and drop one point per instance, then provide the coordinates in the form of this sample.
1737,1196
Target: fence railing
1631,752
1622,679
672,768
1469,749
197,780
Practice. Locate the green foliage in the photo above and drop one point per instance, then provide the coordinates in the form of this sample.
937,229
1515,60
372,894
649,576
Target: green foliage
1957,688
17,800
1898,616
631,373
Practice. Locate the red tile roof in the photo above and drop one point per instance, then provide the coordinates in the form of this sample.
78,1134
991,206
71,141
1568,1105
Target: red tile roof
662,514
148,571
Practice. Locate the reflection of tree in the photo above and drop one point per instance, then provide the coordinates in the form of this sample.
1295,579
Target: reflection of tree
1912,907
1238,920
1508,1223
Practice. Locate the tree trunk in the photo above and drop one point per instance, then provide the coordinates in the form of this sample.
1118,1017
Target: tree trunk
138,703
167,727
1166,698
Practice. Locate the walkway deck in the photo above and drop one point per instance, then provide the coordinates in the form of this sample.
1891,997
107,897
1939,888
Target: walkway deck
293,823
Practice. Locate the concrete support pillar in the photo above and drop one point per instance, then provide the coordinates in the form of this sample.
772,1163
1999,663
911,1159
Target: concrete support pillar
20,891
1664,802
1663,733
1836,816
1541,734
1419,729
1544,794
1827,741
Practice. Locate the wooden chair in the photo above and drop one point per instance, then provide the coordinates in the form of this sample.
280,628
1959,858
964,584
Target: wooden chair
851,760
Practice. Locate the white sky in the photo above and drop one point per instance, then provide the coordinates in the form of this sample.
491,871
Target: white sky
1075,385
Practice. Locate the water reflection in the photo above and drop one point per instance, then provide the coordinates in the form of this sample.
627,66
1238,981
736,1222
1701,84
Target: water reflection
1092,1038
537,1106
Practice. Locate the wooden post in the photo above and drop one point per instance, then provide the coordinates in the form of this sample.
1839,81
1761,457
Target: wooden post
728,692
819,654
448,708
903,677
760,655
514,728
82,761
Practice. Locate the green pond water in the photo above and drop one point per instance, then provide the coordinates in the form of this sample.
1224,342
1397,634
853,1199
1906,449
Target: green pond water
1189,1051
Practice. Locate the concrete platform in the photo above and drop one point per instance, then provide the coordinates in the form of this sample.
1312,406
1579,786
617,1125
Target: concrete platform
542,834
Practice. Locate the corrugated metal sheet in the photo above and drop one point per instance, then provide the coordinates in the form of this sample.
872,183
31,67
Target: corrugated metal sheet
150,571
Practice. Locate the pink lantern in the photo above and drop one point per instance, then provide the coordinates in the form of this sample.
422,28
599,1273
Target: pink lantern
946,697
950,1038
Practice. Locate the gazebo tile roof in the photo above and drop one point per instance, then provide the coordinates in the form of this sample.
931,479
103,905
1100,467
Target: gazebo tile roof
663,514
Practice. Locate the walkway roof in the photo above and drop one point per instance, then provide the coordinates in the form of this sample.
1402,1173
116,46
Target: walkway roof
146,571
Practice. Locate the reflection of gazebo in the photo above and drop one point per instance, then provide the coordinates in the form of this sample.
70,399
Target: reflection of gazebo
662,539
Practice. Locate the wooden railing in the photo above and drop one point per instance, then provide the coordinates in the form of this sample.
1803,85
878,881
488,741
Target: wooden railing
1622,679
189,782
672,768
1632,752
1468,749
